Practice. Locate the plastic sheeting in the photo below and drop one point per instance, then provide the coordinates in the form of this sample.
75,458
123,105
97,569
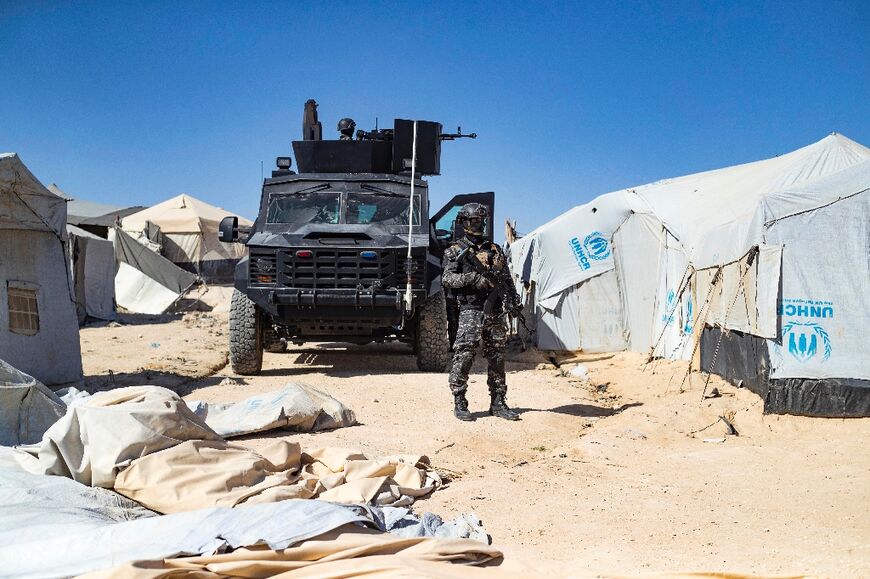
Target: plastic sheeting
53,535
296,407
27,407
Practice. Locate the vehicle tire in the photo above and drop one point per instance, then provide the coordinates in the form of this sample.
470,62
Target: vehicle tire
431,343
246,335
271,342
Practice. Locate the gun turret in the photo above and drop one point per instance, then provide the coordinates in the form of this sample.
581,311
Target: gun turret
377,151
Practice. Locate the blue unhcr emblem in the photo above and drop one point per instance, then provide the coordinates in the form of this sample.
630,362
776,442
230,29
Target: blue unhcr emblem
687,327
597,246
670,306
802,340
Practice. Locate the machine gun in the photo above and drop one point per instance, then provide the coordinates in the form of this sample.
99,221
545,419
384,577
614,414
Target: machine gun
457,135
388,134
501,288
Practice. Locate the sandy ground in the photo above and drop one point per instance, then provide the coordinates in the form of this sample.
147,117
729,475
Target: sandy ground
626,472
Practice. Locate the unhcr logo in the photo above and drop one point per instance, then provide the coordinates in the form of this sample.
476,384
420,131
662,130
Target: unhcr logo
805,308
597,246
802,340
579,253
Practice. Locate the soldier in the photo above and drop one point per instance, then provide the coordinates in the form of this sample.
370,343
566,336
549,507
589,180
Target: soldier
346,127
471,291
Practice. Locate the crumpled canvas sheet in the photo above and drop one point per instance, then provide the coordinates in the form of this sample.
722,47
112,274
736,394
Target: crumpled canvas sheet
145,443
198,474
27,407
106,432
53,526
297,407
340,553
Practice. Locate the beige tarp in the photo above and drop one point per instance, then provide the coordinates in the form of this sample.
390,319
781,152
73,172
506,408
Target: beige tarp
345,552
149,446
105,433
198,474
297,407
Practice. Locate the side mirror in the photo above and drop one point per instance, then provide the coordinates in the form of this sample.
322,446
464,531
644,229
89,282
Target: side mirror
228,230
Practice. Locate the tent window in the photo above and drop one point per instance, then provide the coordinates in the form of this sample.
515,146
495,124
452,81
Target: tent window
23,311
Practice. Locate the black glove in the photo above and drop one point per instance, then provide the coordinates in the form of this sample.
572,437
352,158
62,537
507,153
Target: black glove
481,282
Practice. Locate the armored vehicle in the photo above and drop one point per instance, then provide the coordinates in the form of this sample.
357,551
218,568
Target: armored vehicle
345,250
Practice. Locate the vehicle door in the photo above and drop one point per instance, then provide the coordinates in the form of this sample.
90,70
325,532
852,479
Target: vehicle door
442,226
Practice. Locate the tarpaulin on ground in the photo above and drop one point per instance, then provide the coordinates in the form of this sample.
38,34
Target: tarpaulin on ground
105,433
198,474
341,553
148,445
296,407
56,527
27,407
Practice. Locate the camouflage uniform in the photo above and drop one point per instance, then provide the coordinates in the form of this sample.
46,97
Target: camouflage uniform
474,326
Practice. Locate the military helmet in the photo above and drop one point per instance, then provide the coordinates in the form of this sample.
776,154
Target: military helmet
472,218
346,125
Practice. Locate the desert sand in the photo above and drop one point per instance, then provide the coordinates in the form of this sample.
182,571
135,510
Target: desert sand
629,471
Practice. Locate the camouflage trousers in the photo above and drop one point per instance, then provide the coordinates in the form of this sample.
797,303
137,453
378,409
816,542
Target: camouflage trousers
473,328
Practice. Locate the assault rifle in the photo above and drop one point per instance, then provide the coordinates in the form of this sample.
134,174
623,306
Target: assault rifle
501,288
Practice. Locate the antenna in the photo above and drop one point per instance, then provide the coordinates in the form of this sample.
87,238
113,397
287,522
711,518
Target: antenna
408,263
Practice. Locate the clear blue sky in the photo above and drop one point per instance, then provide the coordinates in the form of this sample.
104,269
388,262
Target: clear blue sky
131,103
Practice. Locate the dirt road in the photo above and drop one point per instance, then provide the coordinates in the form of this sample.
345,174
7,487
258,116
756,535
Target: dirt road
623,473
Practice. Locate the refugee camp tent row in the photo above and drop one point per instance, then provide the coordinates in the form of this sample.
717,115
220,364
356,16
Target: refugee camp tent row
95,218
39,332
185,230
760,270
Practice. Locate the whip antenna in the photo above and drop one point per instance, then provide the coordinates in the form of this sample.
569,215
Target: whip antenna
408,262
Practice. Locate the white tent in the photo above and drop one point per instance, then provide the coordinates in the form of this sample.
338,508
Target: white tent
188,235
146,282
39,332
775,249
92,261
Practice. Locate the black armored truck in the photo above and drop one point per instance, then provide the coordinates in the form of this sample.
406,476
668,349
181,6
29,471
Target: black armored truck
345,250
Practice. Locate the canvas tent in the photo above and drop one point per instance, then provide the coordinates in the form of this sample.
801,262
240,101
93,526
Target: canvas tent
187,231
146,282
95,218
92,262
774,250
39,332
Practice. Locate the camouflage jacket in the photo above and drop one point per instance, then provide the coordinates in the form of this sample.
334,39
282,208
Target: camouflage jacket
461,279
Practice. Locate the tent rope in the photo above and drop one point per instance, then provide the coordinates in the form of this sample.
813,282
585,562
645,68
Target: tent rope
705,307
679,295
740,286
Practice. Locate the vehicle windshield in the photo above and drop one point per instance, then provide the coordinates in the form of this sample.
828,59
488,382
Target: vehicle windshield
302,208
382,209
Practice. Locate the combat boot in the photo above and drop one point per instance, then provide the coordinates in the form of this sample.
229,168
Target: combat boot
498,407
460,408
